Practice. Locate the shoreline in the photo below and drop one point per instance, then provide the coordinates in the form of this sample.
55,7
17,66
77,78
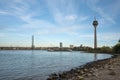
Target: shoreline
89,71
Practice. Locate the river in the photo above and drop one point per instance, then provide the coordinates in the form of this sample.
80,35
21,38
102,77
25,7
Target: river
38,64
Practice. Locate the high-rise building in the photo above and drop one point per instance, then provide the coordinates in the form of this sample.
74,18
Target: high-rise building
33,42
61,45
71,46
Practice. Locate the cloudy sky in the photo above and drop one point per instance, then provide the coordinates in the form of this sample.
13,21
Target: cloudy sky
54,21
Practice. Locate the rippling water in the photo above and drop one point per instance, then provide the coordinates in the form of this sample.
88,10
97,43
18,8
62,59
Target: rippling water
38,64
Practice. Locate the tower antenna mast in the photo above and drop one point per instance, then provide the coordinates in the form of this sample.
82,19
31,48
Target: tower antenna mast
95,24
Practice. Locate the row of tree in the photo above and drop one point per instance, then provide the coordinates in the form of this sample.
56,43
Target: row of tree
104,49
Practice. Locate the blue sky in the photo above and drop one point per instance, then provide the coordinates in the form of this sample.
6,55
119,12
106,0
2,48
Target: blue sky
54,21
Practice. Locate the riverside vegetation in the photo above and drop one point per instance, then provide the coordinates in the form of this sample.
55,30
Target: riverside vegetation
105,49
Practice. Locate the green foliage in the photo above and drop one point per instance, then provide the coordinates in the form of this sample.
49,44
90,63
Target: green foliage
116,48
106,49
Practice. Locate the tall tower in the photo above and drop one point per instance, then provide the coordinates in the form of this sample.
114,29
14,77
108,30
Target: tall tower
32,42
95,24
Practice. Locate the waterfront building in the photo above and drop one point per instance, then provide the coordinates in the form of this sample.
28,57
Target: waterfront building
71,46
61,45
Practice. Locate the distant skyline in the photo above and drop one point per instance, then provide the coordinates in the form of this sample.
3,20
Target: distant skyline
55,21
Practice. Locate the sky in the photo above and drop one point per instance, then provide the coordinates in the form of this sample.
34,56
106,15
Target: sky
55,21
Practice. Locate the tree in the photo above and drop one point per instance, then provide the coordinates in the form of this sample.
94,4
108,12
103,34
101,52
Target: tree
106,49
116,48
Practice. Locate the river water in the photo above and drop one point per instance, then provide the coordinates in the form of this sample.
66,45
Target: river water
38,64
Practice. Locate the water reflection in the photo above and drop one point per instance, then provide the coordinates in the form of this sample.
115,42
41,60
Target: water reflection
60,62
95,56
32,63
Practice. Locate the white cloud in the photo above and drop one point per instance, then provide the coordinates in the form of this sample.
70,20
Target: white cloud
2,34
114,8
83,18
70,17
106,37
87,36
65,19
74,30
3,13
69,30
103,39
64,12
109,36
60,11
106,17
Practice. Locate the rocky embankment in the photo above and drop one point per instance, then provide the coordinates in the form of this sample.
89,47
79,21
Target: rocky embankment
107,69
